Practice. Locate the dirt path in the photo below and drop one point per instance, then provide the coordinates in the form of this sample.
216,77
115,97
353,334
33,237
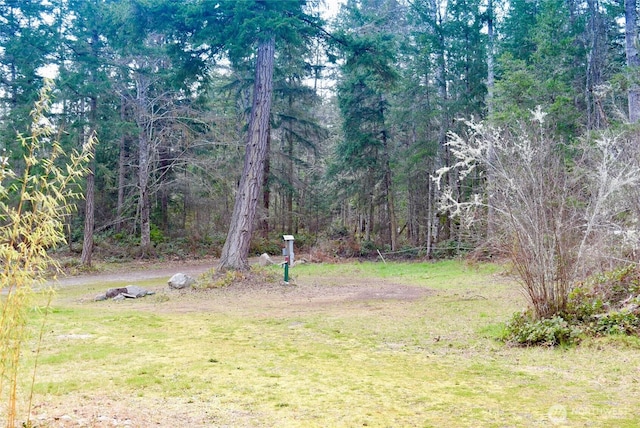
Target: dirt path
139,271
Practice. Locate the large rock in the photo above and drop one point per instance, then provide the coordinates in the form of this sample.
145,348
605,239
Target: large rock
128,292
113,292
137,292
180,281
265,260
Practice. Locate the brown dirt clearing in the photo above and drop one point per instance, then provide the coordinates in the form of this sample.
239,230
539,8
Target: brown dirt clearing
252,294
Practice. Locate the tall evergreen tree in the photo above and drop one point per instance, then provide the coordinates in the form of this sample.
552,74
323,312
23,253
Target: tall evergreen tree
262,23
26,45
633,58
84,67
367,79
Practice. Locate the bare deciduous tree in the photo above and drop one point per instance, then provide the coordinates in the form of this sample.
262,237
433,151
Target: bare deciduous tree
559,211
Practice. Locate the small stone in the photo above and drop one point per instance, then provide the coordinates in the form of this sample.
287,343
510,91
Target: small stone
265,260
113,292
180,281
101,297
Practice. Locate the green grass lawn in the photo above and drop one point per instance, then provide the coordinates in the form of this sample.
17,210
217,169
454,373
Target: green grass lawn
306,356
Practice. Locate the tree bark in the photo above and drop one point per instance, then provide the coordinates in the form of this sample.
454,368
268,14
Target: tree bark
633,60
491,227
289,169
89,217
235,251
144,160
443,127
266,192
388,181
122,158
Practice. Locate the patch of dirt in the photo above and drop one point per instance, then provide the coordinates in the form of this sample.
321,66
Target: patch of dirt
254,292
134,412
139,271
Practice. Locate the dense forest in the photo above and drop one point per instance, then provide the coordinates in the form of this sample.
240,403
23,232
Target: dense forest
344,120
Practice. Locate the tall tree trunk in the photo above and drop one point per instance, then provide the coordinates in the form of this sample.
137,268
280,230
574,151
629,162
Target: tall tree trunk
122,158
393,221
441,82
490,109
144,161
596,59
89,215
388,181
235,251
89,197
633,60
289,180
144,203
289,167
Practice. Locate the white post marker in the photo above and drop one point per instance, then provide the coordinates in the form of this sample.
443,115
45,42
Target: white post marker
287,252
288,248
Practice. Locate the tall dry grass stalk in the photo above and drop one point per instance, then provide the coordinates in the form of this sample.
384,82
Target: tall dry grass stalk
33,205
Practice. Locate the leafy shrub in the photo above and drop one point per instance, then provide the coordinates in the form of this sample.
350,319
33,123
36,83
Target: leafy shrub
367,248
338,231
606,304
156,235
617,285
523,329
583,305
617,322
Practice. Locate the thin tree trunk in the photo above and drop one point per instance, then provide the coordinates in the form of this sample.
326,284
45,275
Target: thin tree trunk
441,81
122,158
490,109
235,251
388,183
89,218
89,214
144,202
393,221
144,159
633,60
289,168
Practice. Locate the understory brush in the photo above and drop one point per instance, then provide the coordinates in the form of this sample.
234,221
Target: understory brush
604,304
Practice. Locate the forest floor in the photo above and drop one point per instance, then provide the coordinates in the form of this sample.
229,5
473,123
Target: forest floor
344,345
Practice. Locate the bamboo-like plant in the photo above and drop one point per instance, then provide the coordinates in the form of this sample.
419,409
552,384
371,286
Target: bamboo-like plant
33,205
